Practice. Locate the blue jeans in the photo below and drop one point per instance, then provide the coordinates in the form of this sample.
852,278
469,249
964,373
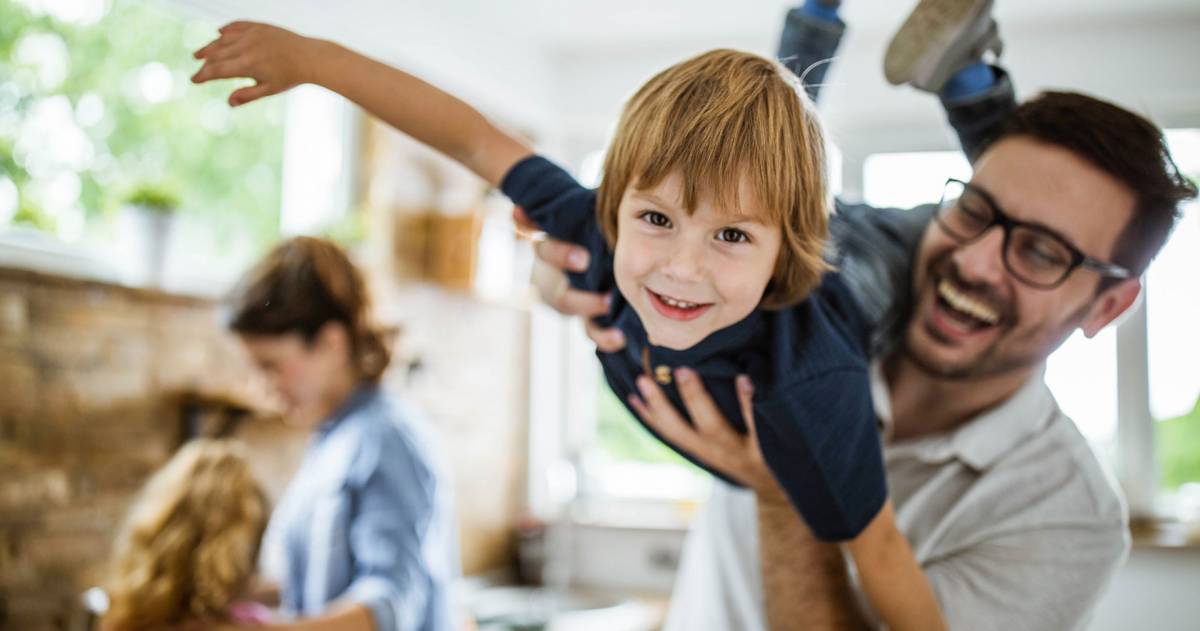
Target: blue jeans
807,44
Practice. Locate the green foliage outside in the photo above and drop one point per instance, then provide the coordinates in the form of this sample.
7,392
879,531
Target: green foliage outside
1179,449
160,199
621,437
116,94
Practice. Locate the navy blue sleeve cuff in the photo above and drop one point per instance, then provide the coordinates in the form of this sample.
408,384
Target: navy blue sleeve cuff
565,210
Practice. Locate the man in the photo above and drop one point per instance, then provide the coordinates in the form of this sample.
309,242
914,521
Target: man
1009,515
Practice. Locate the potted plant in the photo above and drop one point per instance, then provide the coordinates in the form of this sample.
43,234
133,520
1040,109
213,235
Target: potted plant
152,208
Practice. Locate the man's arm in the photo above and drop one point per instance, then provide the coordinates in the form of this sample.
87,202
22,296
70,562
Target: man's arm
278,60
891,578
804,579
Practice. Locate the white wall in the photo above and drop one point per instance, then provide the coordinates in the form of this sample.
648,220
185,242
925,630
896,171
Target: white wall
472,49
1141,55
1158,589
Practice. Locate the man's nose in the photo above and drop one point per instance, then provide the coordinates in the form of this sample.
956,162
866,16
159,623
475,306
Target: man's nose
982,260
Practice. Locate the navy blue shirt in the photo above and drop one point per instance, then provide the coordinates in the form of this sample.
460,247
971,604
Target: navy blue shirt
812,403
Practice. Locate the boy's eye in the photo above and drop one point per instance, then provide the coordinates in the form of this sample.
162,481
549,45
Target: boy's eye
656,218
732,235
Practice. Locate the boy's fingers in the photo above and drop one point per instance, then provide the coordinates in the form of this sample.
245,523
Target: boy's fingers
224,52
234,27
607,340
252,93
563,255
218,70
699,404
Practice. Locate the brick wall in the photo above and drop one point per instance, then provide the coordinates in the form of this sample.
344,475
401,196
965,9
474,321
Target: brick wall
89,378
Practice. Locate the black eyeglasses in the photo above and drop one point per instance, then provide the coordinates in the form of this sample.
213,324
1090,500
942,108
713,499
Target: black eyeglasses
1034,254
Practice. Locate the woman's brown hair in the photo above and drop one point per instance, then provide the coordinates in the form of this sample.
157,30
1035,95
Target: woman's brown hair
304,284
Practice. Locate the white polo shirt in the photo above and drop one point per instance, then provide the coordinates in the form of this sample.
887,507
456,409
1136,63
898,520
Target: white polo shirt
1012,518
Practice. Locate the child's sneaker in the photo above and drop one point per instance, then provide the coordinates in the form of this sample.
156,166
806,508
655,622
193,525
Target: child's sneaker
939,38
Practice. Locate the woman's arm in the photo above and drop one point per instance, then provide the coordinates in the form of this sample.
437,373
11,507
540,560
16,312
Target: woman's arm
278,60
344,617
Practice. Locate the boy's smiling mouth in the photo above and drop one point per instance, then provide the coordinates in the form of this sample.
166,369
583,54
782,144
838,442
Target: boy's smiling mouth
676,309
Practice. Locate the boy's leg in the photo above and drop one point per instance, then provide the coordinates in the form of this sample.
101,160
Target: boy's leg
940,48
811,34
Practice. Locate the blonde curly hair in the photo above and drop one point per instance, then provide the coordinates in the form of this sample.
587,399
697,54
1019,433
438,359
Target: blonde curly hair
190,542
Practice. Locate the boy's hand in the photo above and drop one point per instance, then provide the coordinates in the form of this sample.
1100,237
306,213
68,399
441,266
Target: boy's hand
554,258
275,58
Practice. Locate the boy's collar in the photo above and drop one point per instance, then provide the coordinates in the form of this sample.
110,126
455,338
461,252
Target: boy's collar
723,343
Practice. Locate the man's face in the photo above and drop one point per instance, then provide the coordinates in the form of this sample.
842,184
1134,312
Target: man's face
688,275
971,317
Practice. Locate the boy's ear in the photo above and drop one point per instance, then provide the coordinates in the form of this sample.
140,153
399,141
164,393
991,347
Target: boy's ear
1110,304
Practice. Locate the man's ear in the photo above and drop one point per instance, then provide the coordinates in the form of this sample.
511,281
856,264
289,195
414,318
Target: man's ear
1110,304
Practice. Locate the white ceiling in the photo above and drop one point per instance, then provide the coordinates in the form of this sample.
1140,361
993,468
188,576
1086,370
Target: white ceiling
613,23
562,68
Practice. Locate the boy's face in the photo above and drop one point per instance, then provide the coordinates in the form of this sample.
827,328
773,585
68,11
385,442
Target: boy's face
688,275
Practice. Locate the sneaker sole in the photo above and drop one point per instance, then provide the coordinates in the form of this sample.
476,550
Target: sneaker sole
933,25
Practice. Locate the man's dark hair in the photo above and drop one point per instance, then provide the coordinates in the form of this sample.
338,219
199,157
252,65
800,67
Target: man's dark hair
1122,144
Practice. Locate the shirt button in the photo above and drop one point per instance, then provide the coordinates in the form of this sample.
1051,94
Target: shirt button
662,374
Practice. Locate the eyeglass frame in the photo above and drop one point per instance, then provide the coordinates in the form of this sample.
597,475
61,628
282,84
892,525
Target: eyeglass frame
1007,224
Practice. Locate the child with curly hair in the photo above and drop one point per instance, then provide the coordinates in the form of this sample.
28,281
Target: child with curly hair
189,544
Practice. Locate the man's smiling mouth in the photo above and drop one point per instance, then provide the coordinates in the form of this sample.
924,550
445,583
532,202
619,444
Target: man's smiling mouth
959,315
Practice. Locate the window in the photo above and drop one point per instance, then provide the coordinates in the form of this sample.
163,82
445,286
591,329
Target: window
96,103
1172,311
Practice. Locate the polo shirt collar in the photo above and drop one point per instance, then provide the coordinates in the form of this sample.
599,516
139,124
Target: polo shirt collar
723,344
983,440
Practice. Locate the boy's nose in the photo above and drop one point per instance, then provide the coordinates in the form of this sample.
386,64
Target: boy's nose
686,263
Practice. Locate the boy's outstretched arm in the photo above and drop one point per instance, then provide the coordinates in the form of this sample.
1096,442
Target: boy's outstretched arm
279,60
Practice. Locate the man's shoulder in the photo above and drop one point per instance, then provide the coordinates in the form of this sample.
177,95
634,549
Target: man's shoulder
1052,481
1063,463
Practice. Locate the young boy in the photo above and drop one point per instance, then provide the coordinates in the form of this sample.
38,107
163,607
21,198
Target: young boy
710,222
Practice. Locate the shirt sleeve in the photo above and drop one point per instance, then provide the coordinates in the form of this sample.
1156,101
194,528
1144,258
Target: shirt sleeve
1039,579
820,439
873,250
394,508
564,209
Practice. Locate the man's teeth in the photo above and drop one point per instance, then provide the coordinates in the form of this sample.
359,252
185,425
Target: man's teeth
678,304
966,304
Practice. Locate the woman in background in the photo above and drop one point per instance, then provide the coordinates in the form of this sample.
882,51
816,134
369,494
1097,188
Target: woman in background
188,547
366,528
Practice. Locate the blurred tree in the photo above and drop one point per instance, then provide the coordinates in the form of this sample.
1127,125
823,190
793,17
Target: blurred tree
95,100
1179,449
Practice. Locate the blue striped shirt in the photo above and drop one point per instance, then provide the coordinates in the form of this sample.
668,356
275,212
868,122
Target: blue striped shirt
368,519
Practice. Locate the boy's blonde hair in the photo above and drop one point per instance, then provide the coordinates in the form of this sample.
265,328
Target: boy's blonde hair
718,119
190,542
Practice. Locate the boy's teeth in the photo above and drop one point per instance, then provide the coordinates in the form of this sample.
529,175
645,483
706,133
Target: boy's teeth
966,304
678,304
